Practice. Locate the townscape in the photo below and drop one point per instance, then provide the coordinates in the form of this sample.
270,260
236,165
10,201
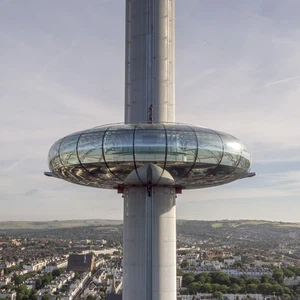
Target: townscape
215,260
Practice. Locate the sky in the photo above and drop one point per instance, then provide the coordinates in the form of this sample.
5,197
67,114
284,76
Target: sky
237,71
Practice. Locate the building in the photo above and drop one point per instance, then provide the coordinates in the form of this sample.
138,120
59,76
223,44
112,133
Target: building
253,273
4,280
178,282
56,265
290,281
229,261
81,262
35,266
11,295
226,297
294,235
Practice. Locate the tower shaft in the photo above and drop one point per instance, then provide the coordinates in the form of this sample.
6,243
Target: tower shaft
149,70
149,244
149,236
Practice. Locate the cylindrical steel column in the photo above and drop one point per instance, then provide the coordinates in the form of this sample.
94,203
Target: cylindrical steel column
149,236
149,244
149,70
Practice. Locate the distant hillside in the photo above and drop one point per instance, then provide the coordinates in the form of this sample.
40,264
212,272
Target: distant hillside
55,224
256,234
245,233
236,223
228,224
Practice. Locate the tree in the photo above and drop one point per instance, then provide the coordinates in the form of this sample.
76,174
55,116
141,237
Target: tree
46,297
8,287
223,288
265,278
215,287
18,279
205,288
179,272
184,265
187,279
56,273
220,278
278,275
264,288
276,289
194,288
218,295
286,290
203,277
251,288
20,296
38,283
288,273
22,292
234,288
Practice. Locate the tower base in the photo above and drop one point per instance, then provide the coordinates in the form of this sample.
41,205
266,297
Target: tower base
149,243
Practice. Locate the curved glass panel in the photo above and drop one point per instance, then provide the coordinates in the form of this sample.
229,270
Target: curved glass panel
91,157
118,151
245,161
209,155
54,159
72,169
181,150
68,154
227,169
210,146
149,146
90,148
232,150
76,174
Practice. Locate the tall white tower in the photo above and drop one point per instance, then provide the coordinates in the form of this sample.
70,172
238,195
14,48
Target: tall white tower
149,237
150,59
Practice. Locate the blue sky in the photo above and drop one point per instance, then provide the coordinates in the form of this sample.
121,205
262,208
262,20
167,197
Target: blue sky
237,71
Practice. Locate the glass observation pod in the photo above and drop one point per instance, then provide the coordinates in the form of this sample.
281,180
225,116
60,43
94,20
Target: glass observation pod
176,154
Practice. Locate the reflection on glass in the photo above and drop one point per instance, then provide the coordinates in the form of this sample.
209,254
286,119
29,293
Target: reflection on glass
232,150
245,162
182,150
54,159
149,146
118,151
68,154
90,154
105,156
210,146
118,145
90,147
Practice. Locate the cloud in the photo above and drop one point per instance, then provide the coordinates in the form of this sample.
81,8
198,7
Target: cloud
281,81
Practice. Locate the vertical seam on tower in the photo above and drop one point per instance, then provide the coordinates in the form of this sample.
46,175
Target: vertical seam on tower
128,41
149,237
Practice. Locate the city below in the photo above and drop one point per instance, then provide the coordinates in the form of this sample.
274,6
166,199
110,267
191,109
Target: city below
82,259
